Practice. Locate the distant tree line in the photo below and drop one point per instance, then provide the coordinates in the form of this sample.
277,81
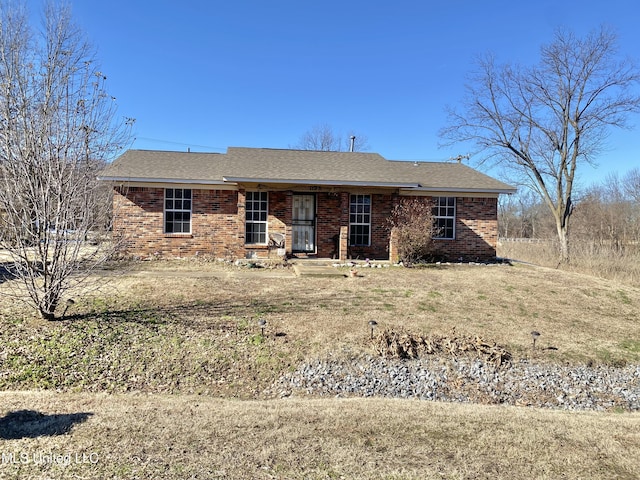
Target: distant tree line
606,213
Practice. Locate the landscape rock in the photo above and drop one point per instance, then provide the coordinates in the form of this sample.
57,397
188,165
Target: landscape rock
466,379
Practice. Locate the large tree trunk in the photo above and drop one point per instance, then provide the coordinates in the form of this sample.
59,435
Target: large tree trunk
563,239
563,213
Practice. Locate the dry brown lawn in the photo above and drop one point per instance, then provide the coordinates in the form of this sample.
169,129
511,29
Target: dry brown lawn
587,256
177,437
583,318
181,339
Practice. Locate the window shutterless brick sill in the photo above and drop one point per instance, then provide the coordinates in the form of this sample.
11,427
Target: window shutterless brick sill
178,235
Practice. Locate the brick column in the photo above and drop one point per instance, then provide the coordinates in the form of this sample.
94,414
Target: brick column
288,218
393,246
343,246
242,207
344,242
393,235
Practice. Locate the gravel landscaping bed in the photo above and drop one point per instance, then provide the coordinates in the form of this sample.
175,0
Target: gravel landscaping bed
470,380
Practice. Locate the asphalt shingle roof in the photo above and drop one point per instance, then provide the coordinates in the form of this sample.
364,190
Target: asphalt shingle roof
265,165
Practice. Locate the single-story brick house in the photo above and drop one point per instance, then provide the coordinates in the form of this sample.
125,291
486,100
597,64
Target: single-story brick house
249,201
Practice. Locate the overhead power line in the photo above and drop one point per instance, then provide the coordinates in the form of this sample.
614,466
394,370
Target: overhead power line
169,142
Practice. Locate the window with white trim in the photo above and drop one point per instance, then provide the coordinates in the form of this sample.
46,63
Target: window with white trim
177,210
360,220
256,212
444,217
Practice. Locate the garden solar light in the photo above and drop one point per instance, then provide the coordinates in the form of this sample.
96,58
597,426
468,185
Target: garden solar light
69,303
535,336
372,324
262,323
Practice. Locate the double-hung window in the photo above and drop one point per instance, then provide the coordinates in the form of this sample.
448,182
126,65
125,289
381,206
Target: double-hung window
444,217
256,212
360,220
177,210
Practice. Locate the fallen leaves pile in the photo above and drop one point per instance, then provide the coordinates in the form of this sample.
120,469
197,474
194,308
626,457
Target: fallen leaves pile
406,345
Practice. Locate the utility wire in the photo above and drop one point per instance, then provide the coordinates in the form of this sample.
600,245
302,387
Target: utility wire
168,142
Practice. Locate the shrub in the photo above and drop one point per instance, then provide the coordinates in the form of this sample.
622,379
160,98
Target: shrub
413,229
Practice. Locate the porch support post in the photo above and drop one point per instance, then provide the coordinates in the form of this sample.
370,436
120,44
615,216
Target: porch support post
393,246
240,242
393,235
344,227
288,219
344,242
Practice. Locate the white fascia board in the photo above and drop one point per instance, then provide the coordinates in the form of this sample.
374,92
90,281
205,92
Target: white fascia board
162,180
493,191
282,181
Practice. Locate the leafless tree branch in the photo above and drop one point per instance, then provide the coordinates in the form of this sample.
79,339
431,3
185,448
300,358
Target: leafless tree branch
542,122
58,127
322,137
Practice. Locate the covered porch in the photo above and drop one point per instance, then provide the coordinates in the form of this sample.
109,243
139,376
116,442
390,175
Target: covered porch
317,222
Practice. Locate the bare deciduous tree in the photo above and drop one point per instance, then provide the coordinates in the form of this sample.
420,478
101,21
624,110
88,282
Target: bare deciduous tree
518,215
602,214
631,188
544,121
57,128
609,213
631,185
323,138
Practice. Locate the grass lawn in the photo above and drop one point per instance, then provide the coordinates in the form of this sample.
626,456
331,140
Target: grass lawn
185,436
165,374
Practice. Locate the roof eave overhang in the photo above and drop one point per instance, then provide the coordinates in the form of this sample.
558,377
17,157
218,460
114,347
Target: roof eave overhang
182,181
407,187
464,190
332,183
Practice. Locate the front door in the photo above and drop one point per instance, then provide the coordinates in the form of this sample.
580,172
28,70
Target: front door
303,223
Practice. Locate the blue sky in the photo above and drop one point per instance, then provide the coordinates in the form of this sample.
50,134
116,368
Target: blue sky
208,74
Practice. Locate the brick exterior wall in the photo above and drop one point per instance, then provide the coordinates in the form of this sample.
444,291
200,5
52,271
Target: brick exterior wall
217,227
330,214
381,206
476,231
